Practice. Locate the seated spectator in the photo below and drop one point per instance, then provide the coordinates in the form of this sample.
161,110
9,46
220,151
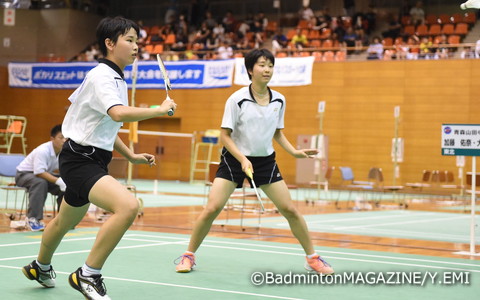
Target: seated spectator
201,35
305,13
375,50
417,14
467,52
262,19
402,50
442,51
349,37
318,23
224,51
426,50
92,54
394,28
228,21
38,173
219,32
299,40
209,20
142,37
279,41
257,30
371,19
243,28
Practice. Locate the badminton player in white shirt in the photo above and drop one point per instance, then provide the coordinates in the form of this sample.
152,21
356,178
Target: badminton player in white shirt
253,117
97,111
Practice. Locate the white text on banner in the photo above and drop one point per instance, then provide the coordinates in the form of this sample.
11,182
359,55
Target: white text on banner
183,74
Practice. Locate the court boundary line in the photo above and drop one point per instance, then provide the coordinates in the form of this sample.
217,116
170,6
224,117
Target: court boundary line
176,285
185,241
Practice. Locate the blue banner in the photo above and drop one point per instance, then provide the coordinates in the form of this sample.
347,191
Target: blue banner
182,74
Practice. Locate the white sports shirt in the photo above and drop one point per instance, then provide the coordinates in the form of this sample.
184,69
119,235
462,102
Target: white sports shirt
41,159
87,122
253,125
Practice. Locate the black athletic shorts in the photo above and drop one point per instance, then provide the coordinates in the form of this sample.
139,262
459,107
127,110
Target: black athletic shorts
264,167
80,168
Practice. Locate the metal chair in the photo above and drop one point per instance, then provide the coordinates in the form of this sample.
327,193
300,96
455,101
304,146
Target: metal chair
8,168
16,126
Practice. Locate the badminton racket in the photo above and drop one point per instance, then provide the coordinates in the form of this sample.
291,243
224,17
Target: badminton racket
250,175
166,80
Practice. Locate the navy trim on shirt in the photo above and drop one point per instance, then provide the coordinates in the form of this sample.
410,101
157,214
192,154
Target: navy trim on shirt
112,65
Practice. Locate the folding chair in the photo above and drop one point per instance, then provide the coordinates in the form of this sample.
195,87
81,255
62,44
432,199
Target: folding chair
349,182
16,129
8,168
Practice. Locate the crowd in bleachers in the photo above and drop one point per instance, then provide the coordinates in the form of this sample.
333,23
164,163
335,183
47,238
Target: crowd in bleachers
409,34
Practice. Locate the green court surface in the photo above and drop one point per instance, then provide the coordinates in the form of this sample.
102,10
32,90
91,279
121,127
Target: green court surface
420,225
142,267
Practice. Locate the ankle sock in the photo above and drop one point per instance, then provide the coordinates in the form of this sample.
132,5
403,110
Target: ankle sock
190,253
312,255
89,271
43,267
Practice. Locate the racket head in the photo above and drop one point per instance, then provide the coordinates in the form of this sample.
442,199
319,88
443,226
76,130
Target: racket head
166,80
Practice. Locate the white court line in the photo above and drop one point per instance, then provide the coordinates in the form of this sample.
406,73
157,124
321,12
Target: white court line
409,234
372,218
184,241
88,251
403,222
177,285
323,251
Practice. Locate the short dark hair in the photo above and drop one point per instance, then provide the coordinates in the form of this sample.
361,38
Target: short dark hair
112,28
55,130
252,57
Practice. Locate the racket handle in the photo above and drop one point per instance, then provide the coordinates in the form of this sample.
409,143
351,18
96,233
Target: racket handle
249,173
170,111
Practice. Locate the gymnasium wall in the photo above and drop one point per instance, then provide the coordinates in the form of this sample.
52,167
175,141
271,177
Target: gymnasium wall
39,34
360,99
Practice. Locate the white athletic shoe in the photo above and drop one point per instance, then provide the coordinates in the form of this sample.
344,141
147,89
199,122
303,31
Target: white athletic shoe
470,4
92,287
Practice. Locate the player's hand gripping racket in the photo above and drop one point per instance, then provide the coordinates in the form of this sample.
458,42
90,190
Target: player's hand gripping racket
166,80
250,175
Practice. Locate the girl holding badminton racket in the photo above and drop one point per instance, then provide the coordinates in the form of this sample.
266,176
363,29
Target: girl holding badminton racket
253,117
97,111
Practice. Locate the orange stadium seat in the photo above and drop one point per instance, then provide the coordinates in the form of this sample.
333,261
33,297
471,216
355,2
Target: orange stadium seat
313,35
387,42
325,33
315,44
317,55
444,19
422,30
431,19
409,29
454,39
435,29
328,56
469,18
340,56
448,29
461,29
327,44
456,18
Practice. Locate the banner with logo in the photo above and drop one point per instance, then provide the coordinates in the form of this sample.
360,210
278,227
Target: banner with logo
288,71
182,74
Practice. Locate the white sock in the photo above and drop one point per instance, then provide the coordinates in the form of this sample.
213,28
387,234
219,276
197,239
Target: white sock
42,266
312,255
190,253
89,271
